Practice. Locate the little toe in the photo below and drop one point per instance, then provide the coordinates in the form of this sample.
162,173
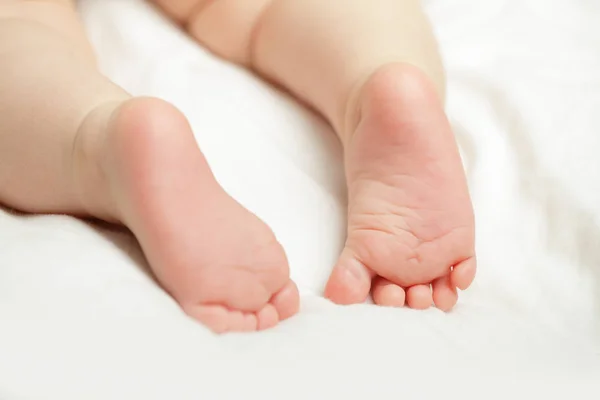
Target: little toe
419,297
220,319
463,273
444,293
350,281
387,294
215,318
286,302
267,318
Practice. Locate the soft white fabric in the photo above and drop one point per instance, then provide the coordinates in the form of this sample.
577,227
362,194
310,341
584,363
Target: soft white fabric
81,319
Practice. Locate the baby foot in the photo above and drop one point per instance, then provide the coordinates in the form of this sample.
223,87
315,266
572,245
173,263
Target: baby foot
219,261
410,232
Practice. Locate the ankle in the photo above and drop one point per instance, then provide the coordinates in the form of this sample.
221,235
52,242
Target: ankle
88,163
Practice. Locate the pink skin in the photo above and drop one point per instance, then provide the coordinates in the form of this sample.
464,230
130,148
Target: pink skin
410,220
410,236
218,260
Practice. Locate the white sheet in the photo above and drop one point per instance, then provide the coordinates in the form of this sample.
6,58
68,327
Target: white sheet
81,319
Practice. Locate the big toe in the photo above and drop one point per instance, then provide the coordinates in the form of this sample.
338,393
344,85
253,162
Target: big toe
286,302
350,281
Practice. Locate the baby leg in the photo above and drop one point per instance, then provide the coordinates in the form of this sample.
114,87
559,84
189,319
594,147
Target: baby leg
73,142
372,69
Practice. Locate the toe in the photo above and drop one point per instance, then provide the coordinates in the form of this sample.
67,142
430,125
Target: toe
463,273
267,317
235,321
286,302
215,318
444,293
387,294
419,297
219,319
249,323
350,281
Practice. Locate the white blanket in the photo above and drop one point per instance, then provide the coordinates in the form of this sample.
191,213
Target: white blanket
80,318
